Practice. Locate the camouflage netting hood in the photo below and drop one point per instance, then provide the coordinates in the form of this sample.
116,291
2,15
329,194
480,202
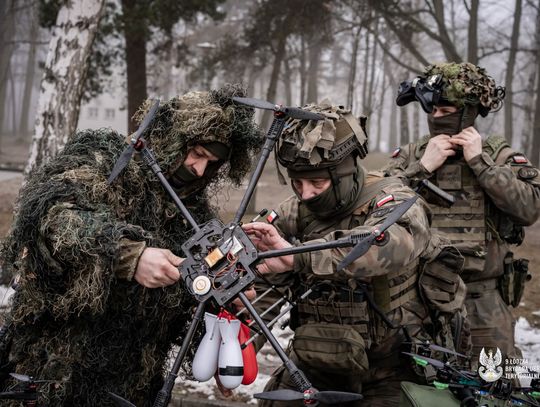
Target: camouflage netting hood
201,118
468,84
79,318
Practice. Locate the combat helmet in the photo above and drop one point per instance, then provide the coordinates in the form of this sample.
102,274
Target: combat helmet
459,84
212,120
327,149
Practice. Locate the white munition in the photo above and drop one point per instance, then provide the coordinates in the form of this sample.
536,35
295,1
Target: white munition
206,358
231,365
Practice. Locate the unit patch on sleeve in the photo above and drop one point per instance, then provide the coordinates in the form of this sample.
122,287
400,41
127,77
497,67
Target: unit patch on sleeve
527,173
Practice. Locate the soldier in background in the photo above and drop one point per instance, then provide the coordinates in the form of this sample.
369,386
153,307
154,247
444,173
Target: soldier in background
350,331
497,192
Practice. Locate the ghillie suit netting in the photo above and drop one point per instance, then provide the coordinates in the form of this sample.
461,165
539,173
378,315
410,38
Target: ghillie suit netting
79,318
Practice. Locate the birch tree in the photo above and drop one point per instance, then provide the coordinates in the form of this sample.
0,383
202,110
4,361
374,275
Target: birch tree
63,80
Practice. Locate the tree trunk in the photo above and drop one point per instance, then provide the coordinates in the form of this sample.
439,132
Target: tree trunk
371,85
535,153
367,64
508,107
63,79
416,123
135,37
472,45
380,110
404,133
352,71
274,76
448,47
7,31
302,70
314,54
29,76
287,81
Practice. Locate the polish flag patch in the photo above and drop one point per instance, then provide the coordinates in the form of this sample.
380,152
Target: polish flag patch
272,216
519,159
384,200
396,152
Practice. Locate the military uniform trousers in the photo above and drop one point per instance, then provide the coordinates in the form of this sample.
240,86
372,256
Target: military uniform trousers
380,385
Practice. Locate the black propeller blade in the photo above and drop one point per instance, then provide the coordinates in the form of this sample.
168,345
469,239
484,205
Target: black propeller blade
25,378
327,397
294,112
438,348
126,155
363,246
122,402
434,362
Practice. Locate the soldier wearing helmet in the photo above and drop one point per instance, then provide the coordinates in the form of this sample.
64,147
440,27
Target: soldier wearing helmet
350,330
497,192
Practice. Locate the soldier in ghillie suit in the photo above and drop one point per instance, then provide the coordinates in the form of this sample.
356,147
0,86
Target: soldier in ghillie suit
99,303
343,336
496,190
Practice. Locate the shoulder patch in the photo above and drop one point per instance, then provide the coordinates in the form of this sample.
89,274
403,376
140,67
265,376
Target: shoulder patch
527,173
386,199
520,159
396,152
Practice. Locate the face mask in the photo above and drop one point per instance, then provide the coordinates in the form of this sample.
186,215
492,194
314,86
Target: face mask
325,205
452,123
181,177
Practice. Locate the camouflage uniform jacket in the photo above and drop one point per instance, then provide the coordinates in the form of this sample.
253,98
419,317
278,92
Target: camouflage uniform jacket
388,269
79,318
510,188
497,192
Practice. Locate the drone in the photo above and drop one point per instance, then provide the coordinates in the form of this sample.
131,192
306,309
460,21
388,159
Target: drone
471,390
220,259
26,390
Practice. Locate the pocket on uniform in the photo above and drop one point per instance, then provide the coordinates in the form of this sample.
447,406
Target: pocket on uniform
334,347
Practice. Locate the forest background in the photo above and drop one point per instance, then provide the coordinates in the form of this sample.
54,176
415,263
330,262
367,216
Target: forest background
68,65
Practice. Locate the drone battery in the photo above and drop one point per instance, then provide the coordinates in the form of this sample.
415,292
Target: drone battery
236,247
213,257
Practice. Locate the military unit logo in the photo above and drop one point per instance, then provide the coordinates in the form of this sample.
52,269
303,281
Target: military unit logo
490,370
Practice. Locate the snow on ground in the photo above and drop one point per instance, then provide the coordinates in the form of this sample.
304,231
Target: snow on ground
528,340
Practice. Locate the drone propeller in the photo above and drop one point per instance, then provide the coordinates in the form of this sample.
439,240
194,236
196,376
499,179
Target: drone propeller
424,360
327,397
438,348
293,112
363,246
126,155
120,401
25,378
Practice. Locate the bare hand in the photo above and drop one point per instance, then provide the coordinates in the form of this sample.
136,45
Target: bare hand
157,268
470,140
438,149
266,237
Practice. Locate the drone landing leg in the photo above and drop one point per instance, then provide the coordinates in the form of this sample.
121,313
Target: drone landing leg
164,395
298,377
